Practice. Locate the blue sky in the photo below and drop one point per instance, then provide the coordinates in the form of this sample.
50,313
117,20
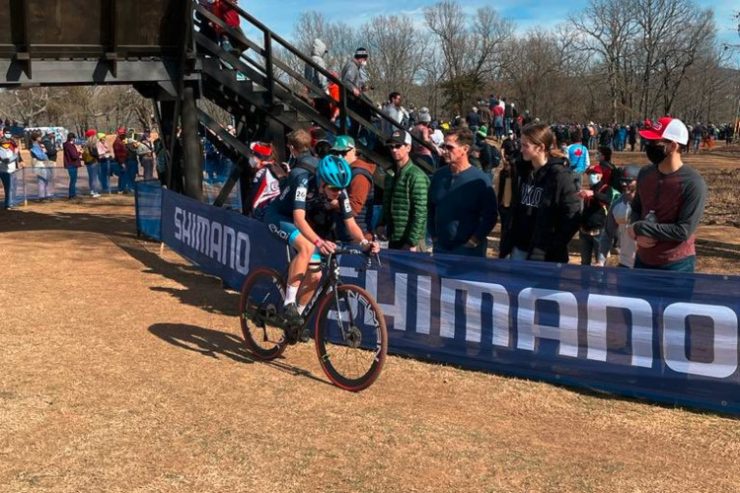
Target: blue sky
281,15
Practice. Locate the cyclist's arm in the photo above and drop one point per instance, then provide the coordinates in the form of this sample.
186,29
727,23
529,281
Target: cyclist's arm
355,232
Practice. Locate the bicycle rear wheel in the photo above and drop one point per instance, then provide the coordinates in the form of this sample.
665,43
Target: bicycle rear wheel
351,337
260,303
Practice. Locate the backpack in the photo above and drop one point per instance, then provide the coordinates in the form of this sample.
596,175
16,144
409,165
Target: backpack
364,218
367,208
490,157
88,157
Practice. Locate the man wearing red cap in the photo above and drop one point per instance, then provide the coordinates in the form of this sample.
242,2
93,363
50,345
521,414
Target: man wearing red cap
669,202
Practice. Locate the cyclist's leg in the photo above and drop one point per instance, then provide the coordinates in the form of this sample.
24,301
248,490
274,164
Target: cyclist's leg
298,266
306,254
310,283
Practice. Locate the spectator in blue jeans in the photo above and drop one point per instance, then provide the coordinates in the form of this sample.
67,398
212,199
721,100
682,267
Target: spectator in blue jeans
72,163
120,154
132,164
91,159
8,165
39,162
104,158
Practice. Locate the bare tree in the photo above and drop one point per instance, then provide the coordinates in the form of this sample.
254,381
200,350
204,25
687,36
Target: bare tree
468,48
610,28
671,32
532,67
680,52
24,105
399,51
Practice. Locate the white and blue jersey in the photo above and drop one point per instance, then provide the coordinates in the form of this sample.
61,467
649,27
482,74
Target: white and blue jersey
302,193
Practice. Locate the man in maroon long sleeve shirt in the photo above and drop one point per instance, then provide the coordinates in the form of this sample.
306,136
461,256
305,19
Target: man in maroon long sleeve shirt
669,202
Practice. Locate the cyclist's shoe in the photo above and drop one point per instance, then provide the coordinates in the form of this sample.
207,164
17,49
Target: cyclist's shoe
305,335
293,323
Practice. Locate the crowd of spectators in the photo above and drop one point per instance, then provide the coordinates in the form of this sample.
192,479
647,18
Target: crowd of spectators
112,162
554,181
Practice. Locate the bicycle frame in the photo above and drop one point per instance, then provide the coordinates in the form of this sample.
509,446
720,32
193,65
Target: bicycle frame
331,280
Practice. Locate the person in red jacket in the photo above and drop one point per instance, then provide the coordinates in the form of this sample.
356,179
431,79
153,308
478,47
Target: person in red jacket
226,12
119,155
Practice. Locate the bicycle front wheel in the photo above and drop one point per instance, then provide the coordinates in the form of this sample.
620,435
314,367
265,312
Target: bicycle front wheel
351,337
260,303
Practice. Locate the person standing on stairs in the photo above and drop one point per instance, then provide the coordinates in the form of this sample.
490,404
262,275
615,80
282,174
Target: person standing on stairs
320,101
355,77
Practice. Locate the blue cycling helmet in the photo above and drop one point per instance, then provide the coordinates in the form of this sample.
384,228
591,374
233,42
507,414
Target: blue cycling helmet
334,171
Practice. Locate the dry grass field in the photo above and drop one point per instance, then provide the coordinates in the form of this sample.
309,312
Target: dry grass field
123,371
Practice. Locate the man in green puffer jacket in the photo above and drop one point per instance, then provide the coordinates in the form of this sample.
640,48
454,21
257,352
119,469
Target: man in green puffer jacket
404,198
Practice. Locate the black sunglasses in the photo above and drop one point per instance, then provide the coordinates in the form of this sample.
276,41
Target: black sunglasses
338,153
395,146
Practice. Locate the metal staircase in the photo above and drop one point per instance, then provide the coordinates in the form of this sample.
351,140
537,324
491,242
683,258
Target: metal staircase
162,49
275,98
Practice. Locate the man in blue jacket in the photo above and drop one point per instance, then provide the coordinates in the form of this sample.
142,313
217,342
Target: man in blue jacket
462,202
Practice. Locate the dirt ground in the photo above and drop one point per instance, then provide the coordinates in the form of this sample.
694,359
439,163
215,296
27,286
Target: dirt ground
123,371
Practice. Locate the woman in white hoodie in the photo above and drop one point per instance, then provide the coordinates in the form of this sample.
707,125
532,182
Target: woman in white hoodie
8,165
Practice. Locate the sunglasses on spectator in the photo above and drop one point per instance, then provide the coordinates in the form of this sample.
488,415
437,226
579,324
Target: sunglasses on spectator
395,146
449,147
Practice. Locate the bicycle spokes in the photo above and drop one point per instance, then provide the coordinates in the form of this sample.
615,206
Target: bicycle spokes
351,340
262,296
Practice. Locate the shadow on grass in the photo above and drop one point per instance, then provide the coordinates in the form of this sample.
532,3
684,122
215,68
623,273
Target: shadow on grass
211,343
215,344
198,289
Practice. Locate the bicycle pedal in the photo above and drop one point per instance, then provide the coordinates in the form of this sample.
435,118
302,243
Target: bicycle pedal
292,335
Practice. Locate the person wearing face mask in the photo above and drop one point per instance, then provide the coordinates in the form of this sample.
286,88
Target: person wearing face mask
265,183
355,77
669,202
596,201
618,217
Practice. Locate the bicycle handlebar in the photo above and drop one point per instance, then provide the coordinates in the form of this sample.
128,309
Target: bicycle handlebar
355,251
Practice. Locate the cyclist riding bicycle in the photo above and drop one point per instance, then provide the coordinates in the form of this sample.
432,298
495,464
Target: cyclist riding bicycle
290,218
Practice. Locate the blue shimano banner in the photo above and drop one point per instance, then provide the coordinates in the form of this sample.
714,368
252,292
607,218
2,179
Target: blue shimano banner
664,336
223,243
148,198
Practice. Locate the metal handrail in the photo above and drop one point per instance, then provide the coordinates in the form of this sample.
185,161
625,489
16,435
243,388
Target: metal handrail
269,38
